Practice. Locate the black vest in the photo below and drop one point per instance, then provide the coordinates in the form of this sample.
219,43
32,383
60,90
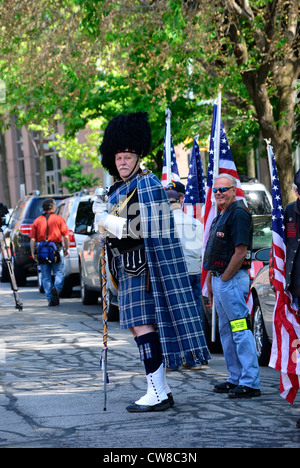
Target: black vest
220,248
292,230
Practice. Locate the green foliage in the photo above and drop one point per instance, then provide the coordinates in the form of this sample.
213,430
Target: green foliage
93,59
76,179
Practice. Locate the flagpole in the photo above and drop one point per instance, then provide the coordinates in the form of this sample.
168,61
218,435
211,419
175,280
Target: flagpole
268,142
217,136
168,145
216,173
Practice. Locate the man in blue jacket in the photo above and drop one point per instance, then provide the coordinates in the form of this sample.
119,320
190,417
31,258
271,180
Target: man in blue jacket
292,226
292,229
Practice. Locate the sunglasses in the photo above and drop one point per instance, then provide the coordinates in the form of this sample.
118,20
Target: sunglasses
222,189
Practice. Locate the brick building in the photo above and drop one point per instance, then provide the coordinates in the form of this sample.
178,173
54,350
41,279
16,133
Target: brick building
20,171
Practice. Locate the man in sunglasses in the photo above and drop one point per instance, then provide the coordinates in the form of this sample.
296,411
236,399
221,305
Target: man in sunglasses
228,258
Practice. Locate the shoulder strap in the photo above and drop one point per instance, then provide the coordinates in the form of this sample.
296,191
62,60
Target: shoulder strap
47,216
145,172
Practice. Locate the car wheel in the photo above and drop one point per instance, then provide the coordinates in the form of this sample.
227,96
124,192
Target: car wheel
40,282
5,278
112,308
216,346
262,343
20,274
87,297
67,288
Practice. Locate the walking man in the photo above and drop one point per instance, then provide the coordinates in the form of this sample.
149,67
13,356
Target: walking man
53,228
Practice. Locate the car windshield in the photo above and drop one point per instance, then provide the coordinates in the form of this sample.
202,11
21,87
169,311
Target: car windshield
35,208
258,202
262,233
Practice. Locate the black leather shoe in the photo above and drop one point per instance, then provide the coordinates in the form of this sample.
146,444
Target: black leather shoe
55,296
224,387
52,303
162,406
242,391
171,399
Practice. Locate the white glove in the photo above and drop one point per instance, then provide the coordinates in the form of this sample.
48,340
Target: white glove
100,220
115,225
99,206
111,223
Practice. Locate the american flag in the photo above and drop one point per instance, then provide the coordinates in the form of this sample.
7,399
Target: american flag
195,188
174,173
226,166
285,356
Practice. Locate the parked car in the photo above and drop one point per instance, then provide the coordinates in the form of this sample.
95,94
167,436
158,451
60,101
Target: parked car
16,235
263,308
77,212
262,238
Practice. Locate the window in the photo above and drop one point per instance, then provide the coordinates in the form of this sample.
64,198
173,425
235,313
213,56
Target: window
258,202
84,218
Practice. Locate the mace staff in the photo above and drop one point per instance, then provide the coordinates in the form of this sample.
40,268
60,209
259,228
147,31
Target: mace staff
102,195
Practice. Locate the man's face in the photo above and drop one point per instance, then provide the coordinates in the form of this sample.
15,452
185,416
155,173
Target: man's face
126,163
224,199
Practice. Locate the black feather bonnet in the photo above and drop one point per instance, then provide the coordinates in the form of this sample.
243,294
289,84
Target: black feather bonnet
125,133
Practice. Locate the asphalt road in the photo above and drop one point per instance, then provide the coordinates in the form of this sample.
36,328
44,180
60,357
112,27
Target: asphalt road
51,391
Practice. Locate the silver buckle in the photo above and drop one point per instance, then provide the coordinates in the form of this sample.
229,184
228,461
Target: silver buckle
115,252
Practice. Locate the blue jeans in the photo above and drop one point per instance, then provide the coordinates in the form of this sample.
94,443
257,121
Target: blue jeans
58,270
238,347
196,286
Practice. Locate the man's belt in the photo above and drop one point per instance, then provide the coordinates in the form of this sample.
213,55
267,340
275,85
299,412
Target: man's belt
217,273
116,252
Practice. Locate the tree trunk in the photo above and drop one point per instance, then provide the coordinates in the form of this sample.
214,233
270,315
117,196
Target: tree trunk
278,128
42,164
40,152
251,164
4,172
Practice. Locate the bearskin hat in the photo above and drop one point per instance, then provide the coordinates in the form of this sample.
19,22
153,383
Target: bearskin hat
125,132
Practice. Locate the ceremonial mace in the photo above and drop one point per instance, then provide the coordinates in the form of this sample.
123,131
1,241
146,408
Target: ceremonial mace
101,194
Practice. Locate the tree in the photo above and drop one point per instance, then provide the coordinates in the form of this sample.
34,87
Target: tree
76,180
91,59
251,47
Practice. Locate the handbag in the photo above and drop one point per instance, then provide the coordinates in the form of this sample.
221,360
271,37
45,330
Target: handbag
47,252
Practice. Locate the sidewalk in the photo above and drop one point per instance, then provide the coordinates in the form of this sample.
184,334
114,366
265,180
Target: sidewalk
52,389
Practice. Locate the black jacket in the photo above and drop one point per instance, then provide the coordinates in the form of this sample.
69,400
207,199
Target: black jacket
292,229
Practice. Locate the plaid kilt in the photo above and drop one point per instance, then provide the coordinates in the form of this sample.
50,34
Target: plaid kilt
136,305
181,335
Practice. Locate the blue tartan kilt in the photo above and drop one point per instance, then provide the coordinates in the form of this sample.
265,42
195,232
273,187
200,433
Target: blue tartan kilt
136,305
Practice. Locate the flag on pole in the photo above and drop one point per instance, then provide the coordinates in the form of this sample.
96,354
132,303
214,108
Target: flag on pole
170,170
224,164
195,188
285,355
